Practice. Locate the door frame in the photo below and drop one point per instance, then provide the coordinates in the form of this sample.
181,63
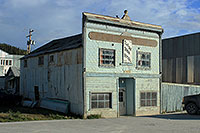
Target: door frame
130,109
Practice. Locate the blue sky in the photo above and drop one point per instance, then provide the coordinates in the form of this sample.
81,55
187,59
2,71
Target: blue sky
53,19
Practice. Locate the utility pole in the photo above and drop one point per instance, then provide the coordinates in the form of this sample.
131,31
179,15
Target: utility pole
30,42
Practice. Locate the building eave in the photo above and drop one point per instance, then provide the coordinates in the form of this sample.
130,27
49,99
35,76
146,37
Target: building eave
122,23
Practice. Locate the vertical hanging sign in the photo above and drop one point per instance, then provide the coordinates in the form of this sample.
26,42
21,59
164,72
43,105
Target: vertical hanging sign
127,51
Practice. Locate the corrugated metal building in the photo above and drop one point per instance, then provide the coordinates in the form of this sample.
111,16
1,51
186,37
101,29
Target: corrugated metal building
181,59
112,68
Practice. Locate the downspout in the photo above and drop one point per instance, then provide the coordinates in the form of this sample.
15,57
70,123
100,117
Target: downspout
84,67
160,68
117,96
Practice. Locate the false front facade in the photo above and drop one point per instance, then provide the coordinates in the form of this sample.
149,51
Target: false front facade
111,69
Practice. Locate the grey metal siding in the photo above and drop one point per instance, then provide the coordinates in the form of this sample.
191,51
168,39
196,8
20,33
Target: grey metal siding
172,95
179,49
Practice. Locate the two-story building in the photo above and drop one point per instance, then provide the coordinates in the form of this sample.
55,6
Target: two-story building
7,60
113,68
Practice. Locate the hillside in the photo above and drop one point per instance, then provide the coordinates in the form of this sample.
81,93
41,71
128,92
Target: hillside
11,49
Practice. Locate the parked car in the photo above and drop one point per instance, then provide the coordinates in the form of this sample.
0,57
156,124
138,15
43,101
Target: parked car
191,104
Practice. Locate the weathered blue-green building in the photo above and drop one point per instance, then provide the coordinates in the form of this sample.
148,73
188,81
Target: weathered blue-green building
113,68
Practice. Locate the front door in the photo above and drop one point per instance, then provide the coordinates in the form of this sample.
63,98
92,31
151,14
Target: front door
122,101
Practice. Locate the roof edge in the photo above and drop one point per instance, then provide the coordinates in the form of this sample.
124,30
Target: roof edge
123,22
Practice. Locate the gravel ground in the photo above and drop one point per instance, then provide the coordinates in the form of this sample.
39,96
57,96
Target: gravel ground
167,123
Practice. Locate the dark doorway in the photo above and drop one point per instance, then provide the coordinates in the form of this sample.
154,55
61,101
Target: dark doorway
37,94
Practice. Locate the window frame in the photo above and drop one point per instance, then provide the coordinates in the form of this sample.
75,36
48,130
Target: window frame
51,60
98,100
107,65
7,62
148,102
25,63
10,62
143,60
41,60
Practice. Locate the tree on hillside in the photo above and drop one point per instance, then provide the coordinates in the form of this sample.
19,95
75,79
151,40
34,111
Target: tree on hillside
11,49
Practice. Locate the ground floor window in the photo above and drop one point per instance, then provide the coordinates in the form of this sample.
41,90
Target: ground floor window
101,100
148,99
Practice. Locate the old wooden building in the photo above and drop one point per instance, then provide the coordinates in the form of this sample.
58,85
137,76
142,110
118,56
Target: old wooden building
112,68
7,60
181,59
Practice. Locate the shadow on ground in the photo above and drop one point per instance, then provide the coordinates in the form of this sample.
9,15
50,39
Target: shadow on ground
175,116
26,110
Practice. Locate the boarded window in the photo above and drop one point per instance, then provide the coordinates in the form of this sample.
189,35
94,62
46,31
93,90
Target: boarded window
148,99
101,100
41,60
143,60
107,57
68,58
25,63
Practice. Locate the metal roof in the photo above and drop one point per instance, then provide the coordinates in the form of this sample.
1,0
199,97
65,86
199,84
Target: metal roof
58,45
76,40
15,70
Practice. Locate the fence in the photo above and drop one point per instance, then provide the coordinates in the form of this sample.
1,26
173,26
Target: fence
172,95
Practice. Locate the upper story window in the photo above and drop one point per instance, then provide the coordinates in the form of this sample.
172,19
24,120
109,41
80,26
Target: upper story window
51,58
143,60
41,60
6,62
25,63
107,57
10,62
127,51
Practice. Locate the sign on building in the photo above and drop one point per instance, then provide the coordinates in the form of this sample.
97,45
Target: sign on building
127,51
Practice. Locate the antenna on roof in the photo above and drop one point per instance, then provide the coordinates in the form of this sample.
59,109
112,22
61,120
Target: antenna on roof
30,42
